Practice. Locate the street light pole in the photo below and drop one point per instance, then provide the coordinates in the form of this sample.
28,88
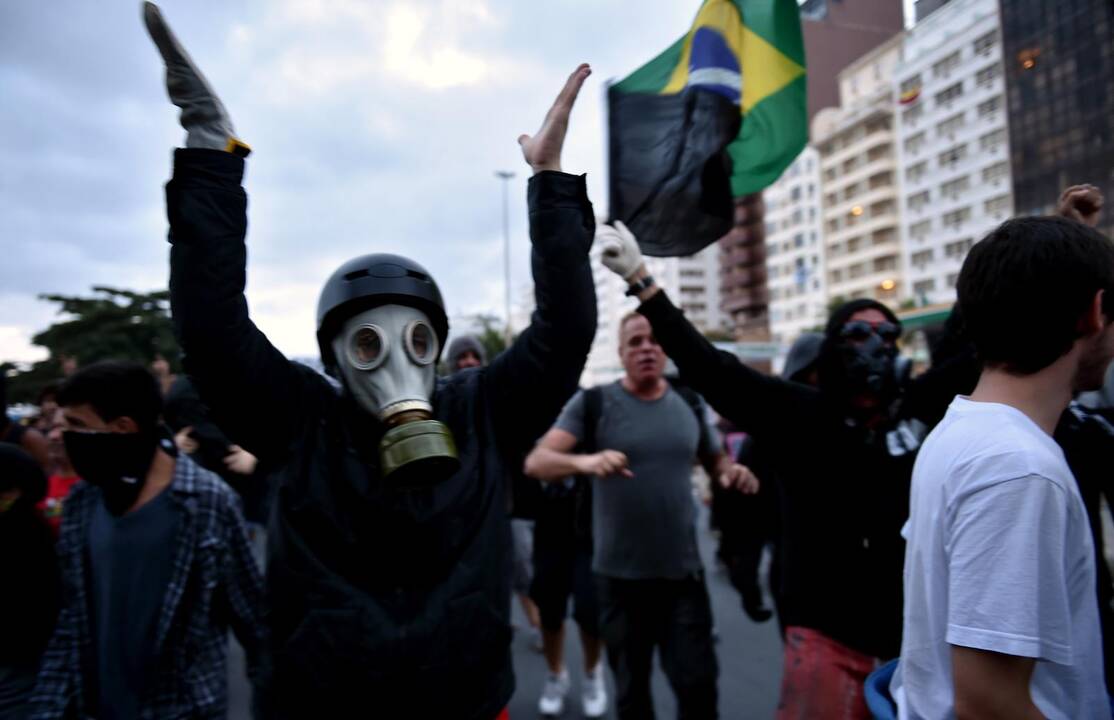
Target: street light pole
505,176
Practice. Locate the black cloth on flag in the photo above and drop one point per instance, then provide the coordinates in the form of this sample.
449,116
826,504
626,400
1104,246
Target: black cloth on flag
669,169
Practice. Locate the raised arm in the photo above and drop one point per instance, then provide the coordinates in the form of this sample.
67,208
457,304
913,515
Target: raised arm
531,381
255,394
755,402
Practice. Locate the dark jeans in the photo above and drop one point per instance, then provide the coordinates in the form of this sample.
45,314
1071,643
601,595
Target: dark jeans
676,617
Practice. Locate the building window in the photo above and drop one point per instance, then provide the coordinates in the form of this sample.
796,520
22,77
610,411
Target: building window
993,139
949,158
944,68
922,258
912,115
911,84
923,287
953,188
947,128
952,278
998,206
915,142
945,96
920,230
996,172
956,218
914,173
985,77
989,107
920,200
958,249
985,43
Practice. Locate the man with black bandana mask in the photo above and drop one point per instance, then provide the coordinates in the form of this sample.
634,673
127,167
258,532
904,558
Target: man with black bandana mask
843,453
389,543
155,561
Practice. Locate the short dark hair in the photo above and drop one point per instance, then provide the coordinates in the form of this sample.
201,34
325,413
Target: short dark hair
1024,288
115,389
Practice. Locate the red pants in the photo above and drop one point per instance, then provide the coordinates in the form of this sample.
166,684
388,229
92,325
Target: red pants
822,679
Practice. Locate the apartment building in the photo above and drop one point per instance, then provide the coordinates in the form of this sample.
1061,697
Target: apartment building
795,250
860,198
952,144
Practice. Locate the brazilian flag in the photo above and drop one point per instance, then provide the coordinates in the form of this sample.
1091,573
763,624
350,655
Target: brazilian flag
719,114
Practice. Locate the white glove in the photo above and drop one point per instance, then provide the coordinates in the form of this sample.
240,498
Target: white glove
621,253
203,115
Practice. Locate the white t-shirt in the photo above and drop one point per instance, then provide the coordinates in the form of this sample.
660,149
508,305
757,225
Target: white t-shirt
999,557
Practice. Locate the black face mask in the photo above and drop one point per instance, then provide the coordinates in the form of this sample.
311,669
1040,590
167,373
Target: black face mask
117,463
870,367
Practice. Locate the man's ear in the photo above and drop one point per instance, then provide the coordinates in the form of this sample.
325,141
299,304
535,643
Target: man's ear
123,425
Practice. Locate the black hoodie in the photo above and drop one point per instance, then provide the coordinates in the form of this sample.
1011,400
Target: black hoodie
29,599
844,489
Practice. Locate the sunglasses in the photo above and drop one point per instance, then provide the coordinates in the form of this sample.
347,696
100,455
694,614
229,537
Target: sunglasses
861,330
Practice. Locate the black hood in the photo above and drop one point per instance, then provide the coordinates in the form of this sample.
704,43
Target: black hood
19,470
834,382
463,344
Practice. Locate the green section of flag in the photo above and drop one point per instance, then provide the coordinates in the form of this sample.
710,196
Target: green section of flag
771,137
774,88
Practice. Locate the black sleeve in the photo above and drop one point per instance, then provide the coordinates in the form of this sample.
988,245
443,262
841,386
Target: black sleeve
754,402
530,382
255,394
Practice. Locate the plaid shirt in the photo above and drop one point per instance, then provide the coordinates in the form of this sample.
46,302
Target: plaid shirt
215,583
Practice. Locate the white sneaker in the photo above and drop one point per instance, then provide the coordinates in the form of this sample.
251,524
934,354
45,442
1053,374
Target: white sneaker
553,696
593,695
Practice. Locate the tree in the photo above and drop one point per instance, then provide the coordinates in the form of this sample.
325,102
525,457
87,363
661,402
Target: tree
491,335
112,324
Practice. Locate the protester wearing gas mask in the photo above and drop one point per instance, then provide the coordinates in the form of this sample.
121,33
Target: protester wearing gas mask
155,560
389,546
843,455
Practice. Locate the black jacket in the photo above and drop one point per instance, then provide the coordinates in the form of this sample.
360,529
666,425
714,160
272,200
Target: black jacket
844,491
394,604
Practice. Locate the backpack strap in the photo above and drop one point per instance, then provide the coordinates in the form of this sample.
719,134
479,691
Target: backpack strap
593,410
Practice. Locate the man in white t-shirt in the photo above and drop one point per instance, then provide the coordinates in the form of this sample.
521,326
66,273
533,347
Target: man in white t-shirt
1001,619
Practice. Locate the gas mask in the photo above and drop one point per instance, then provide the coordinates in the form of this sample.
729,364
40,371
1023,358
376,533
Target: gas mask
387,357
869,357
117,463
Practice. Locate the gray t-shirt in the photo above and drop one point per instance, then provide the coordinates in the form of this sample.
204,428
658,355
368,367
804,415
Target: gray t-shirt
132,559
644,527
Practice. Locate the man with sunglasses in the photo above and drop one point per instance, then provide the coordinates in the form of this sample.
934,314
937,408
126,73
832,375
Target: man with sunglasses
843,453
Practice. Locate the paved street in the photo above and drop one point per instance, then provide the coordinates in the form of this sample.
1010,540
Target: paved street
749,658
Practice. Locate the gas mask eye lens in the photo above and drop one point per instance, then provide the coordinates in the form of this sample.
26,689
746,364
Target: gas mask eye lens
421,343
856,331
888,332
366,347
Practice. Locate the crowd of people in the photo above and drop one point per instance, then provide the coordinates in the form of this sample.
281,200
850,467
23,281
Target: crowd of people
936,540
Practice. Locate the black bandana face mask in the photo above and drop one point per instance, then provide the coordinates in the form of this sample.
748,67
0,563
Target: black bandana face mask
870,367
117,463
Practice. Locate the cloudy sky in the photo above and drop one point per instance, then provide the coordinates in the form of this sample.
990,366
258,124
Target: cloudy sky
376,124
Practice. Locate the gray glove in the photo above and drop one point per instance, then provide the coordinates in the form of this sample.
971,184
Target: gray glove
203,115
